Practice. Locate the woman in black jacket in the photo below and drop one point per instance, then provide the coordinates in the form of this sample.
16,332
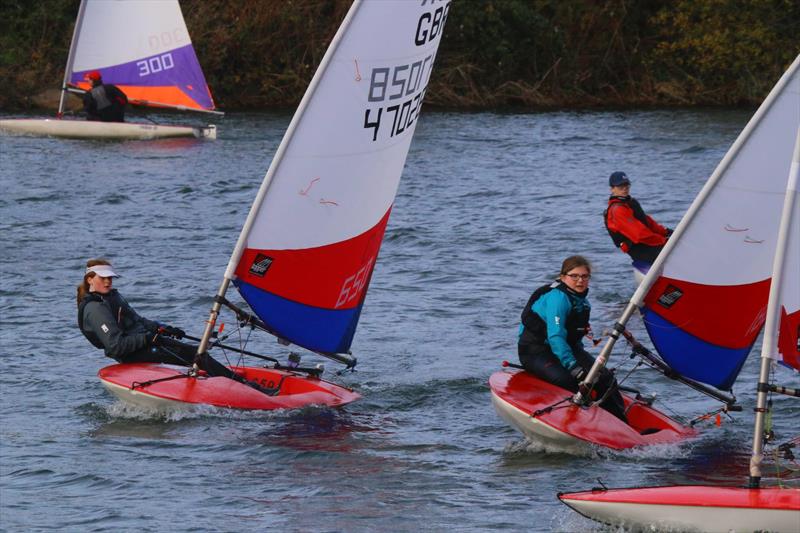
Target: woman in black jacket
107,320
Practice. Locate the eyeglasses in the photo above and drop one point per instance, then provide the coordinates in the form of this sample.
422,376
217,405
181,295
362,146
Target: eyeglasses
576,277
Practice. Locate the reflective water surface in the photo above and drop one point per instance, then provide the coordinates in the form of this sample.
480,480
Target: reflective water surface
489,205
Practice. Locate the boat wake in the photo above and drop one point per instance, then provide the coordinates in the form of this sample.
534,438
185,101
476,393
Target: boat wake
670,450
527,446
124,410
120,409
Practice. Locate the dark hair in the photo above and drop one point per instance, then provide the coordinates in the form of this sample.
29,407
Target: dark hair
83,288
575,261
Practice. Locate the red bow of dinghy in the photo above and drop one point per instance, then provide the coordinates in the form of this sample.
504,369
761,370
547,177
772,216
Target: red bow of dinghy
696,507
517,395
696,495
294,390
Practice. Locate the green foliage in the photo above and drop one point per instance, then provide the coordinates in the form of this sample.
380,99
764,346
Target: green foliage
615,52
534,53
34,43
727,50
260,54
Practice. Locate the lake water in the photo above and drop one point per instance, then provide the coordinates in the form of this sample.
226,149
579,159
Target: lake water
488,207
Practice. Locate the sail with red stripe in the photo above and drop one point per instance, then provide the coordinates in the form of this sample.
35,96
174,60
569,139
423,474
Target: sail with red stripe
788,335
706,298
309,246
143,47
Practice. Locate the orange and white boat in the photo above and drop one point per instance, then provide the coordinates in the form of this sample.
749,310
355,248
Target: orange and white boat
142,47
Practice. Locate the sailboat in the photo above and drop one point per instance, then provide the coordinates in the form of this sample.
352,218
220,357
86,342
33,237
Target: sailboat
702,316
306,253
142,47
545,413
743,234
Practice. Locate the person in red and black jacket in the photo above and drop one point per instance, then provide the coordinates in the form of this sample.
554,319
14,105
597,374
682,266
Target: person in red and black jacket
631,229
104,102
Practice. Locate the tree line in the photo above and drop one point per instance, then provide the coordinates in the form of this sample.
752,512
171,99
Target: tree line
535,54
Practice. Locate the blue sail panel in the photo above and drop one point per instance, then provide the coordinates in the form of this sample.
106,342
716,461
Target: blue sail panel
693,357
321,330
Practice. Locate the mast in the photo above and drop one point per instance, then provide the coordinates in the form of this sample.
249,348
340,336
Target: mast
655,270
265,184
71,57
769,344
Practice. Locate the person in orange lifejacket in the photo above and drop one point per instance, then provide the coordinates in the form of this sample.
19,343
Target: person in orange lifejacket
103,102
631,229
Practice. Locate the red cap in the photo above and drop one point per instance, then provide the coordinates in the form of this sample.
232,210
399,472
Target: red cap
93,75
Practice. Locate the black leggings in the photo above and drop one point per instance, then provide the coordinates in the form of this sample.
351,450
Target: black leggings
642,252
174,352
540,361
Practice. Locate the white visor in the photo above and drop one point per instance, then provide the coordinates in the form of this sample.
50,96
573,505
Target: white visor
104,271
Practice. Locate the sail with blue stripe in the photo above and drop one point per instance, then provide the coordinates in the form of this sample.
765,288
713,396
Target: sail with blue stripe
306,254
707,299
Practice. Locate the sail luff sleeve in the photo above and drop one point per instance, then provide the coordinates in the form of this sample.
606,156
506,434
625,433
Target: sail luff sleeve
787,240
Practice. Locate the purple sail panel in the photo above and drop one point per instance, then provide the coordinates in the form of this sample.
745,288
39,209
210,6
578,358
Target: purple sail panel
173,78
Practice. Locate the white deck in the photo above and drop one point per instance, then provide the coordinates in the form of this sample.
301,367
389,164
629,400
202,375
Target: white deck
658,517
85,129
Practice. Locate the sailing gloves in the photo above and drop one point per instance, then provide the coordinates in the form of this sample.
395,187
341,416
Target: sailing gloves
154,336
172,331
578,372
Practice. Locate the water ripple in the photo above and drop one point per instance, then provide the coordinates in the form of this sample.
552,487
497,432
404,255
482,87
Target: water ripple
489,205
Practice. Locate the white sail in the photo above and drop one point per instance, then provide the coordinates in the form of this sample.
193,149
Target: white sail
782,332
706,295
338,174
306,253
750,206
143,46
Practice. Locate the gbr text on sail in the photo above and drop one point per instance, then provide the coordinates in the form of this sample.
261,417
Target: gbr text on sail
396,91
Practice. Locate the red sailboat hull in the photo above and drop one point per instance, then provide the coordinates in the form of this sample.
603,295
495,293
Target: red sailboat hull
693,507
519,397
295,390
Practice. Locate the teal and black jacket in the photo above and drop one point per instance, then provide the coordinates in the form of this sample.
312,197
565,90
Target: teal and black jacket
558,317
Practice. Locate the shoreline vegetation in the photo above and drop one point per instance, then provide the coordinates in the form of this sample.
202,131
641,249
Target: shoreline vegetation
511,54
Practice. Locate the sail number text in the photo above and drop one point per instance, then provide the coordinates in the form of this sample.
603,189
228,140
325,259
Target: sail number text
430,24
401,88
398,83
167,39
354,285
154,64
